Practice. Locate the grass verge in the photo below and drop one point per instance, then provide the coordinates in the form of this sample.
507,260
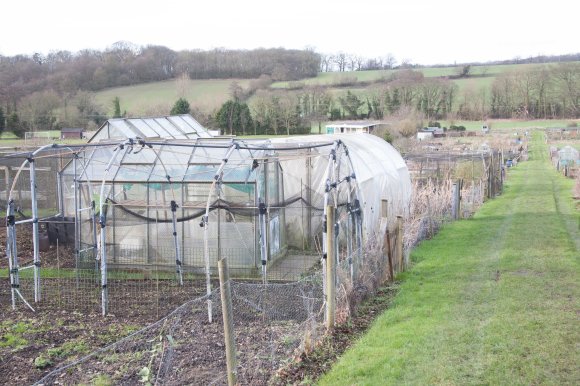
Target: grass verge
490,300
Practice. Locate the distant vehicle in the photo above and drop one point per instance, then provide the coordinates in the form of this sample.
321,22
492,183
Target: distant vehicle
485,129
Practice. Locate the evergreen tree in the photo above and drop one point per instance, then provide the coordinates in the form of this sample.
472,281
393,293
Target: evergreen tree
2,120
351,103
117,107
234,116
181,106
13,123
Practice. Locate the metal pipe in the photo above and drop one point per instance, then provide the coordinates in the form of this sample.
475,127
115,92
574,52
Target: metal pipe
11,252
205,221
36,256
262,212
77,222
356,208
178,262
103,223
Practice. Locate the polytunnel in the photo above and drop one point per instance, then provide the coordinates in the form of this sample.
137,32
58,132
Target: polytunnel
568,156
178,204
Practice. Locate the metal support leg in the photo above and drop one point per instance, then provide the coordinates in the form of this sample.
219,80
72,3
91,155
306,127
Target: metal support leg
35,230
178,264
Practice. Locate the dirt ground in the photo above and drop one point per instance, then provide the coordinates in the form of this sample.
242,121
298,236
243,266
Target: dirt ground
68,327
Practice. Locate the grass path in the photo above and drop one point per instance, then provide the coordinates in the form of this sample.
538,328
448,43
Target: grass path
492,300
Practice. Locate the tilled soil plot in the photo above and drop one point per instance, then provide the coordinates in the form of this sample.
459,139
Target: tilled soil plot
128,346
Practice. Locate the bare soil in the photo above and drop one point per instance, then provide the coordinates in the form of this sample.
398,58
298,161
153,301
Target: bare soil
32,344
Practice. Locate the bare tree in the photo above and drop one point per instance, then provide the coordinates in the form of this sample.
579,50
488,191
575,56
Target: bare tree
182,84
359,62
287,104
406,63
236,91
568,77
341,60
326,61
390,61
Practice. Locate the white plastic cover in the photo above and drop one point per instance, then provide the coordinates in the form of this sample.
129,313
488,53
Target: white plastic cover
381,173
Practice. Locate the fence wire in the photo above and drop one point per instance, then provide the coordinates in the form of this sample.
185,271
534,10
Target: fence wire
272,323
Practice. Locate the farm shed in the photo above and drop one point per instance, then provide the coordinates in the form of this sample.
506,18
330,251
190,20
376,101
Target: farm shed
162,195
72,132
422,135
352,127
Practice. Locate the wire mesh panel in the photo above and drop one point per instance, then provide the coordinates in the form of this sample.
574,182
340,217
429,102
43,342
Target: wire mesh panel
180,348
273,323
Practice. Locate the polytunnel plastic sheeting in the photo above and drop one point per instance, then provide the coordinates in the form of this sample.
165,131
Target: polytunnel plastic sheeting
568,153
381,172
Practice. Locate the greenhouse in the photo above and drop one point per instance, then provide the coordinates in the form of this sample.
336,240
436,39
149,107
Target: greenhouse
163,195
568,156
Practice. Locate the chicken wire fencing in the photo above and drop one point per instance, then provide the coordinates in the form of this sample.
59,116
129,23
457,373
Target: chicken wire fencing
449,186
272,324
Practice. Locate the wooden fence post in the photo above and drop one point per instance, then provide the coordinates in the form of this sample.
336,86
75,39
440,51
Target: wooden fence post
330,268
400,242
389,254
456,205
386,238
226,298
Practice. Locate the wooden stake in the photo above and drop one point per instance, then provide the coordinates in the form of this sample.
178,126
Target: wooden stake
226,298
389,254
400,242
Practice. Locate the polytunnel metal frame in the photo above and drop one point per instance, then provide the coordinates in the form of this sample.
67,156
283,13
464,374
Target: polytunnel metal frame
332,180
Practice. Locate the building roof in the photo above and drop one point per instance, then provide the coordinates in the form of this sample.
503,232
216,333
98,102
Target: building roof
431,130
72,130
165,127
353,124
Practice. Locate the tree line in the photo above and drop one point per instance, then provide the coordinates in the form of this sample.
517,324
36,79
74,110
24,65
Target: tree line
275,111
125,64
45,93
538,92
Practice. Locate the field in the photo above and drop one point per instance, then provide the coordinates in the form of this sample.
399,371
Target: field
158,98
484,74
509,124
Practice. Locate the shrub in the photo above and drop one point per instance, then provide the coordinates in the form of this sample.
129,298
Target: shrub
434,124
387,136
572,124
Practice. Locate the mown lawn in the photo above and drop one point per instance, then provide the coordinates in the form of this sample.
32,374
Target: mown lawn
493,300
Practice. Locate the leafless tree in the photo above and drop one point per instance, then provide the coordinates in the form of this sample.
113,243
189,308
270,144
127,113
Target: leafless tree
341,59
390,61
568,77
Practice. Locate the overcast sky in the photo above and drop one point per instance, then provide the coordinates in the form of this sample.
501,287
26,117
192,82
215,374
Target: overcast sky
424,32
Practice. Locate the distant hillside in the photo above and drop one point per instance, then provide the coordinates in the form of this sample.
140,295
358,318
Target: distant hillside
283,90
208,95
